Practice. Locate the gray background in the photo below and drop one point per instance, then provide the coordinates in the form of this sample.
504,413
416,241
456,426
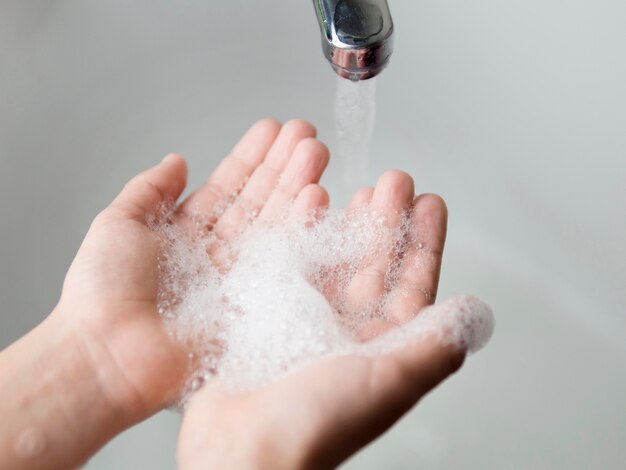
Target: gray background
514,111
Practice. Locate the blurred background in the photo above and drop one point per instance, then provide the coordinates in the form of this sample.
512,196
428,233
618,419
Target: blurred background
515,112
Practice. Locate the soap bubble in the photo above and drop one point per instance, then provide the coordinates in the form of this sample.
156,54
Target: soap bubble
280,295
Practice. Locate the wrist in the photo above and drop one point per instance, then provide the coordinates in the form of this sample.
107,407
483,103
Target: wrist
56,413
220,430
238,451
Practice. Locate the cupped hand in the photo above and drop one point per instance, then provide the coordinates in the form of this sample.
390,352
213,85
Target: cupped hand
110,293
321,414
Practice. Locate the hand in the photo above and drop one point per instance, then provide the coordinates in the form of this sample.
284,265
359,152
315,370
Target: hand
103,360
320,415
111,288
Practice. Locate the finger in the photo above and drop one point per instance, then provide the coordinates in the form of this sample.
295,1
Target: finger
264,178
233,171
392,196
292,133
306,166
146,192
312,197
421,265
361,198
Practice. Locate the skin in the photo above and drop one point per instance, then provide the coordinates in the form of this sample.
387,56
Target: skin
102,361
319,416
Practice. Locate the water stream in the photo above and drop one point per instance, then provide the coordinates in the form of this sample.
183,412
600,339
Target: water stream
355,110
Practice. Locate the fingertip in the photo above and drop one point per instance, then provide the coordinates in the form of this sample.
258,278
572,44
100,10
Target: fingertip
176,161
145,192
267,124
300,127
315,153
255,143
172,158
286,141
362,197
316,194
431,205
176,166
430,218
310,198
391,178
394,185
310,145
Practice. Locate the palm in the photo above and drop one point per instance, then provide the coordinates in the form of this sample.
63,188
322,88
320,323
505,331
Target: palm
337,405
114,278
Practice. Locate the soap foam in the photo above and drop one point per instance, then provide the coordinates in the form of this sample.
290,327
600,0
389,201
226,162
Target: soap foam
281,295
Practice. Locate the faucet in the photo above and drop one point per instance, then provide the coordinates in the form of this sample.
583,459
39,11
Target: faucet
357,36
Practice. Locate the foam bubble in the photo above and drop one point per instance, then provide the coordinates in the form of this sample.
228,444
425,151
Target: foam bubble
280,296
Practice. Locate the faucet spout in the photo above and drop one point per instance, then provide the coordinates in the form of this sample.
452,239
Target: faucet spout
357,36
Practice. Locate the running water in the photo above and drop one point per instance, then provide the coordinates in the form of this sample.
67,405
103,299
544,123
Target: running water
355,110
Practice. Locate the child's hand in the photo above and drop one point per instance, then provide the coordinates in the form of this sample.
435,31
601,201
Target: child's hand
111,288
320,415
103,360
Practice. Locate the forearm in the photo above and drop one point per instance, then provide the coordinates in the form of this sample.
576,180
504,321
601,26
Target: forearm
54,412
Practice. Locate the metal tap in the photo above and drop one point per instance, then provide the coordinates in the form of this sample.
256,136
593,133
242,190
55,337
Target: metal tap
357,36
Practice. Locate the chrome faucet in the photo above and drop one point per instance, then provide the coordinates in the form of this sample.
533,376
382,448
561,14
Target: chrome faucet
357,36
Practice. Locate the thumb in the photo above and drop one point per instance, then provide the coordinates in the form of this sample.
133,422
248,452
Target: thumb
149,189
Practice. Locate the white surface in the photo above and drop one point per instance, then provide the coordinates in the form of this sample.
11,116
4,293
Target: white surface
514,111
